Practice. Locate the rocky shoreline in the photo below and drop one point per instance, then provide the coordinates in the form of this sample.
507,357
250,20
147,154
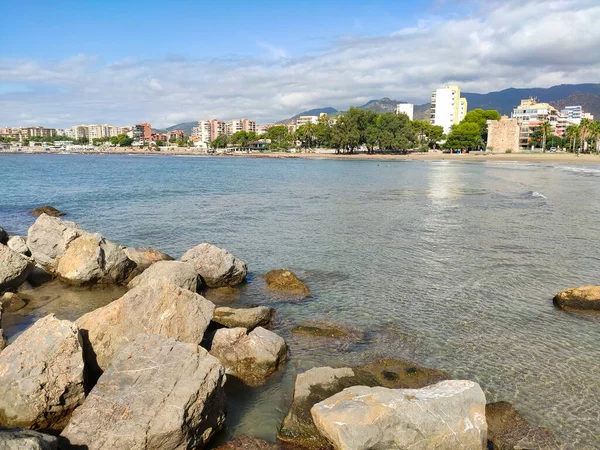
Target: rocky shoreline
148,370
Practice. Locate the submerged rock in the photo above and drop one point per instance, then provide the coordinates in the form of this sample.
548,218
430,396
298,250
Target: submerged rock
507,430
250,356
144,257
12,302
584,297
18,244
48,210
14,268
447,415
319,383
216,266
158,393
23,439
154,307
285,281
322,329
223,295
42,376
179,273
248,443
249,318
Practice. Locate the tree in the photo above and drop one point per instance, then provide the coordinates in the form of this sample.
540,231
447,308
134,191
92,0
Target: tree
160,143
584,130
306,134
280,137
465,135
323,132
428,133
242,138
395,132
219,142
545,129
571,133
480,117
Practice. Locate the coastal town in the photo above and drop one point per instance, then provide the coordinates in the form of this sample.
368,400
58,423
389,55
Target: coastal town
532,126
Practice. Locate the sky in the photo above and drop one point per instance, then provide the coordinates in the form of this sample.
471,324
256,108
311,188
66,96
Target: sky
64,63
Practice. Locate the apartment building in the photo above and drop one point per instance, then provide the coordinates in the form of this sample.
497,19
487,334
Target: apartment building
530,114
406,108
235,125
447,107
303,120
142,132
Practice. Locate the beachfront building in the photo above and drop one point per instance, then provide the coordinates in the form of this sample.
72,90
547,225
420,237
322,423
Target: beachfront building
447,107
207,131
236,125
176,134
406,108
531,114
303,120
503,135
142,132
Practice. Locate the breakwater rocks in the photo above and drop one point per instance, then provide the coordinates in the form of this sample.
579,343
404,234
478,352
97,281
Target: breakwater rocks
148,370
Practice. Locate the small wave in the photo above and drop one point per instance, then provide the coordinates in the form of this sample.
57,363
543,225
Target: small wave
535,194
579,169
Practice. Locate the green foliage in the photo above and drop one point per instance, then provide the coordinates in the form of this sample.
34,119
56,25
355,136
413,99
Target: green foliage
159,143
243,138
121,140
98,141
471,132
219,142
280,137
508,150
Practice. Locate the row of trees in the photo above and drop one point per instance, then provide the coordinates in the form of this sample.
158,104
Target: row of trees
472,131
584,137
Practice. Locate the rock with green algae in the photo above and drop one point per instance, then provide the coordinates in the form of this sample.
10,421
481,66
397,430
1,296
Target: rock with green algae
49,210
283,280
317,384
583,298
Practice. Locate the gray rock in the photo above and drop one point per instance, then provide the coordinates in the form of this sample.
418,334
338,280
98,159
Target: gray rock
91,259
447,415
144,257
179,273
2,336
154,307
249,356
18,244
14,268
39,276
49,237
42,375
23,439
216,266
319,383
3,236
249,318
158,393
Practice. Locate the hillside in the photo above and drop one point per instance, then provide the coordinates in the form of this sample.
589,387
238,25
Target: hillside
380,106
589,102
185,126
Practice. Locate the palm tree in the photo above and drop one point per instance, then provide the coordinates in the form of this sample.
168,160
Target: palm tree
584,129
595,134
571,133
545,129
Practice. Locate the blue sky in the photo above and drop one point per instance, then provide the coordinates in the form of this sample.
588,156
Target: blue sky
68,62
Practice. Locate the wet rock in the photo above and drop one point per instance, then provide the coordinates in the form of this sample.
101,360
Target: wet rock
18,244
216,266
39,276
447,415
42,376
2,336
180,274
250,356
584,298
223,295
12,302
144,257
507,430
3,236
322,329
23,439
317,384
154,307
249,318
48,210
285,281
158,393
14,268
48,239
248,443
92,259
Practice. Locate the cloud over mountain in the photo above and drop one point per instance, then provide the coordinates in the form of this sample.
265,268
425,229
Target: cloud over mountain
499,44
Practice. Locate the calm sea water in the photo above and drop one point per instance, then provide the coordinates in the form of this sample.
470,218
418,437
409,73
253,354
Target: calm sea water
452,265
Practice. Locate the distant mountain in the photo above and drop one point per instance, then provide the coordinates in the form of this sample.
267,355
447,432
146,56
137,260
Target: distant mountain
589,102
312,112
185,126
380,106
422,112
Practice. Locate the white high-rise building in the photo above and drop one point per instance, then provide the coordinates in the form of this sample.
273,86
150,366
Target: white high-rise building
447,107
406,108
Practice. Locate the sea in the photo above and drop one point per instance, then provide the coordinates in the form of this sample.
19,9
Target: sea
451,265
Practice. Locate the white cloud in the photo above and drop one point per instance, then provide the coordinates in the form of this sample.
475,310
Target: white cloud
502,44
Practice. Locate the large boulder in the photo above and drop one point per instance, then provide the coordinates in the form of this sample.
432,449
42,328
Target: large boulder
12,302
584,297
508,430
249,318
14,268
155,307
42,376
92,259
3,236
76,256
144,257
216,266
48,210
23,439
249,356
447,415
285,281
319,383
2,336
48,239
179,273
18,244
158,393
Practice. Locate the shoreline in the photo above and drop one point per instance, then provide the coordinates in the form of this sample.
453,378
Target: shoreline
570,158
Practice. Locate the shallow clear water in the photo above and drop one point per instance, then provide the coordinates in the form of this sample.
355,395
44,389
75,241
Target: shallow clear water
452,265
